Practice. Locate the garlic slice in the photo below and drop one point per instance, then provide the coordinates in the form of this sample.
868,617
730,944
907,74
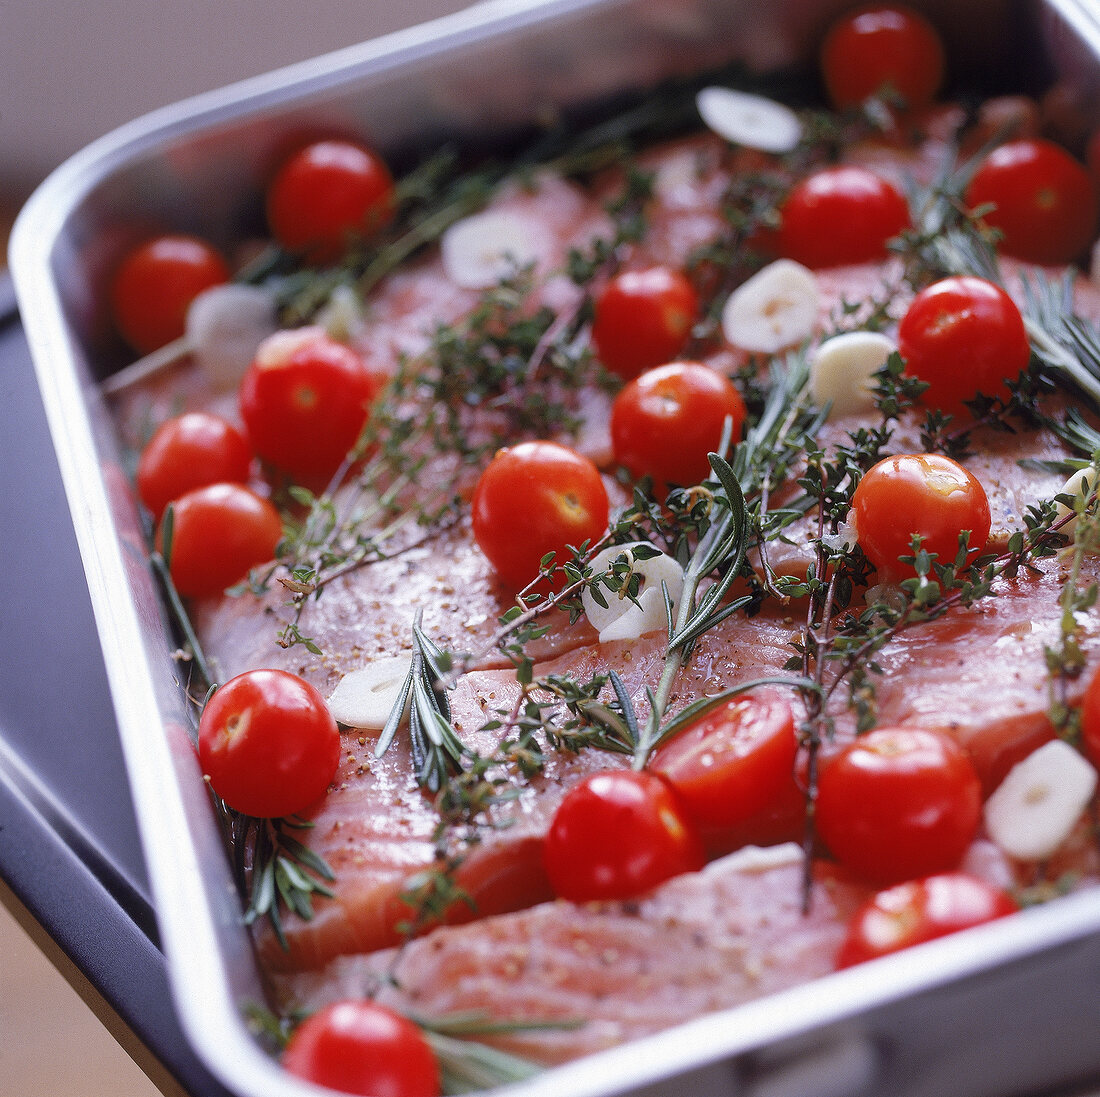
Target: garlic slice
485,248
750,120
364,698
775,309
225,325
621,618
1035,808
1080,485
842,367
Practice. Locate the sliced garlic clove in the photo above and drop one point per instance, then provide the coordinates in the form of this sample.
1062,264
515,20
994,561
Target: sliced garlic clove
621,618
225,325
1035,808
364,698
482,250
1079,486
775,309
842,367
750,120
342,315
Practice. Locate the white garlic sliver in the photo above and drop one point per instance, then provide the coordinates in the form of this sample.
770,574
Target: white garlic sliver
750,120
621,618
1035,808
775,309
485,248
225,325
1080,485
842,367
364,698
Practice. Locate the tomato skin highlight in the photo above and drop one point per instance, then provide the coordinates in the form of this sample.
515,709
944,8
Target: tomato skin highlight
734,763
155,284
643,318
357,1046
840,215
305,400
886,51
327,196
534,498
666,421
617,834
898,803
962,336
190,451
920,493
916,911
1090,720
219,533
1046,202
268,744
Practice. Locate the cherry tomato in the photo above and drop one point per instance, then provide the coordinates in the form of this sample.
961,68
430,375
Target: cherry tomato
898,803
268,744
327,196
840,215
963,336
190,451
665,422
734,763
1090,720
916,911
220,532
304,401
156,282
887,51
1045,200
617,834
918,493
643,318
535,498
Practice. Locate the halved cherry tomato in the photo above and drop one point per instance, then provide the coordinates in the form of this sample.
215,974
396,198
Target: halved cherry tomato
735,763
898,803
305,400
1090,720
220,532
665,422
1046,205
190,451
923,494
643,318
358,1046
532,499
916,911
888,51
840,215
329,196
962,336
268,744
156,283
617,834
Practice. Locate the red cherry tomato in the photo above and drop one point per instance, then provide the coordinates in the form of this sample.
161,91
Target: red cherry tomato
616,835
918,493
898,803
840,215
887,51
1045,200
190,451
357,1046
155,284
268,743
643,318
535,498
328,196
1090,720
963,336
916,911
735,763
220,532
304,401
665,422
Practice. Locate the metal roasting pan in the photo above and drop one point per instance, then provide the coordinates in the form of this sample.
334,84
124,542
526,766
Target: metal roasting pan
1011,1009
